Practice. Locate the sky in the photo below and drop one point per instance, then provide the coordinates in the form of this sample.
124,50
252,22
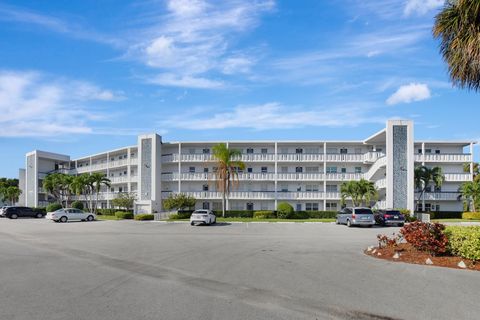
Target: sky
82,77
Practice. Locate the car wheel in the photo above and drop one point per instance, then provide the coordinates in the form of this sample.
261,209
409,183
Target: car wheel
13,216
39,215
337,222
401,224
90,218
191,223
214,220
370,225
63,219
349,224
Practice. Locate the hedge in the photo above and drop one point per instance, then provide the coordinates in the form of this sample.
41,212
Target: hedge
471,215
265,214
77,205
448,215
235,213
322,214
144,217
464,241
284,210
54,207
41,210
123,215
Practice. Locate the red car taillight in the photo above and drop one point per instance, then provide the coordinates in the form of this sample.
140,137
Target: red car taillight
353,215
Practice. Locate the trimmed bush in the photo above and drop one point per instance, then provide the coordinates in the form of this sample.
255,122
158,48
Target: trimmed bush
284,210
144,217
298,215
264,214
77,205
427,237
53,207
184,214
41,210
448,215
464,241
123,215
322,214
432,215
471,215
234,213
409,218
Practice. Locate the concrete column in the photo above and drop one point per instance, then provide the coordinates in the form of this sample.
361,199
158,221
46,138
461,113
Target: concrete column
179,167
129,184
324,175
423,164
108,176
276,173
471,163
227,202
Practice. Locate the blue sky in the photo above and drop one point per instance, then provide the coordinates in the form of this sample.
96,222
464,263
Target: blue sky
80,77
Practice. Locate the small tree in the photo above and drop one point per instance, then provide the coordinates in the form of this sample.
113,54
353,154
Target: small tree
471,193
124,201
12,194
284,210
424,176
179,201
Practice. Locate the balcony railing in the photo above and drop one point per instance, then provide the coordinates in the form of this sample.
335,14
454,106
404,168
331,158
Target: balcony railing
432,196
123,179
443,157
258,176
261,195
381,184
457,177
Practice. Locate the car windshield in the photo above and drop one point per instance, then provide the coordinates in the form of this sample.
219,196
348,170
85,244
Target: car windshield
363,211
200,212
393,212
59,210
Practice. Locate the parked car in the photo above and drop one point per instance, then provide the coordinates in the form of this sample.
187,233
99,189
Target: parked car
203,216
17,212
389,217
2,209
356,216
64,215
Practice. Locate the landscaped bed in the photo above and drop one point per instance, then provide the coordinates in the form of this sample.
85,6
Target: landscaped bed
431,244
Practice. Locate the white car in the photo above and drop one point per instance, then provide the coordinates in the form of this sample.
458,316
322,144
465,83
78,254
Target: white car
203,216
64,215
2,210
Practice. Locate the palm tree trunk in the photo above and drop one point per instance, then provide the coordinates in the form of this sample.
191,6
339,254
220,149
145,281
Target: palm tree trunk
224,203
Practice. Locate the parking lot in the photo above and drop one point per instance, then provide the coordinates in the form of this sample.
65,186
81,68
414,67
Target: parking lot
155,270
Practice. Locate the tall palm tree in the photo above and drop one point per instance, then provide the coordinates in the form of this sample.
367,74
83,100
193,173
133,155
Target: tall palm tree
226,176
458,28
96,181
471,192
425,176
80,186
476,170
350,189
12,193
367,191
58,185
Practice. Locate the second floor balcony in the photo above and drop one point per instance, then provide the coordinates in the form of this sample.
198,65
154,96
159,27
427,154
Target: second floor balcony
444,157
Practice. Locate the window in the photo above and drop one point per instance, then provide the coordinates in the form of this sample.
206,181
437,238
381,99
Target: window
312,187
331,169
298,207
358,150
312,150
249,150
299,188
284,150
331,150
206,151
428,207
120,174
249,170
132,155
120,189
112,159
343,151
284,188
206,205
299,150
428,189
311,169
205,187
264,150
250,206
311,206
191,169
264,169
120,157
263,205
438,189
298,169
358,169
111,175
344,170
214,169
191,151
428,150
205,170
437,151
332,188
284,169
419,151
125,172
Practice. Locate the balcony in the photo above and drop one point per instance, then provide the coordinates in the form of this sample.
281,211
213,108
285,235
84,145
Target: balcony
308,195
115,180
381,184
258,176
457,177
296,157
260,195
300,176
444,157
439,196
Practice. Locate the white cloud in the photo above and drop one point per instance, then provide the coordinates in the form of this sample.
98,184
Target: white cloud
33,104
421,7
409,93
193,40
273,116
173,80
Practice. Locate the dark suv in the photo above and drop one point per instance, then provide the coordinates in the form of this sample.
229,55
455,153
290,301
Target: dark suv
389,217
16,212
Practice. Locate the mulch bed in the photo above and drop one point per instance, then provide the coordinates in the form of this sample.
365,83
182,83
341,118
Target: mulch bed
409,254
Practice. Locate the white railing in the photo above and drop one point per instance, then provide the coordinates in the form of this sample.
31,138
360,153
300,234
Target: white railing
354,157
260,195
381,162
300,176
256,157
443,157
343,176
372,156
118,163
299,157
381,184
382,204
452,196
200,176
458,177
122,179
133,161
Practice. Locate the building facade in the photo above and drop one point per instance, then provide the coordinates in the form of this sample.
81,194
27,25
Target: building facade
307,174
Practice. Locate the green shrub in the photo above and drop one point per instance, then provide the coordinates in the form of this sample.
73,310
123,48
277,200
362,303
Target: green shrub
53,207
184,214
41,210
432,215
235,213
298,215
410,218
404,211
471,215
322,214
448,215
77,205
144,217
284,210
123,215
264,214
107,212
464,241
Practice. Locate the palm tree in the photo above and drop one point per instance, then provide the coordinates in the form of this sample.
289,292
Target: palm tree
96,181
350,189
226,176
80,186
458,28
476,170
424,176
12,193
58,185
367,191
471,192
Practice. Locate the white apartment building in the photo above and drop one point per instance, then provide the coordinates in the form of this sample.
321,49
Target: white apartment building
307,174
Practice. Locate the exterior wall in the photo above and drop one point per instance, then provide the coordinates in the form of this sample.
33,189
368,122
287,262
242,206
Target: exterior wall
21,185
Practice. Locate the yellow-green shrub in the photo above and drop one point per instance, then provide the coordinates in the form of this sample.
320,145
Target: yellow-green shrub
464,241
471,215
144,217
264,214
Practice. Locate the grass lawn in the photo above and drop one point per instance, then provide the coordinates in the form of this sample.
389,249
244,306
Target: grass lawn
263,220
454,220
102,217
